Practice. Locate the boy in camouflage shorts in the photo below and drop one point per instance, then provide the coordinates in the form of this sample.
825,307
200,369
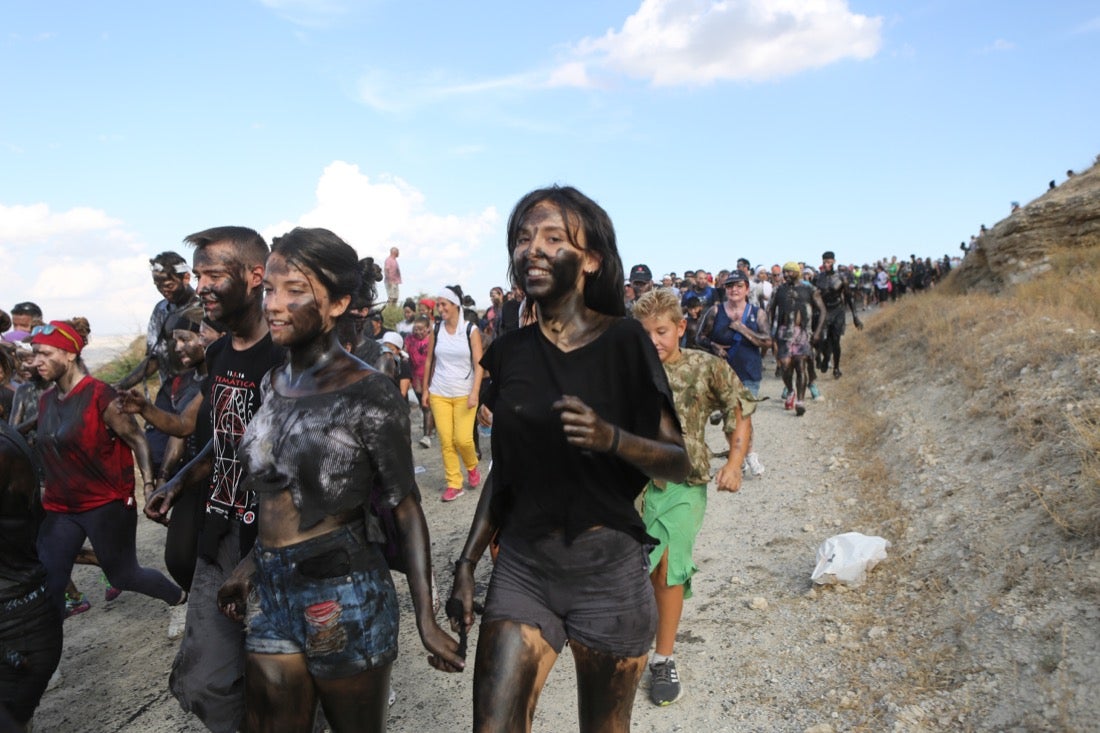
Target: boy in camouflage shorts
673,513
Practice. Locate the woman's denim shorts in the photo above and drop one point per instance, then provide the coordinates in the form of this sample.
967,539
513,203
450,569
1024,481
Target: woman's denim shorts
330,598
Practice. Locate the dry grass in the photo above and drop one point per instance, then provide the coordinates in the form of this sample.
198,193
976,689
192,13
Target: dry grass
1029,359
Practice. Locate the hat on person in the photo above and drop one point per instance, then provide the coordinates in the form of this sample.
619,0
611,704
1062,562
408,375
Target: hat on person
828,255
641,273
394,339
792,267
735,277
428,303
59,335
26,308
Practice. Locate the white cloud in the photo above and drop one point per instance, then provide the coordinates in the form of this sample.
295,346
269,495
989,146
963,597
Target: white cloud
76,262
34,223
374,214
695,42
668,43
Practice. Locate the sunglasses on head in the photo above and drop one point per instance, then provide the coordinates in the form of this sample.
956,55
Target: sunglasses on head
47,329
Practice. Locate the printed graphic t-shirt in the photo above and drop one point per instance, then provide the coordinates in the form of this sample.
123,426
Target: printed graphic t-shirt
231,396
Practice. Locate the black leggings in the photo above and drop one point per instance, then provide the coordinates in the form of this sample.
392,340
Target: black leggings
112,529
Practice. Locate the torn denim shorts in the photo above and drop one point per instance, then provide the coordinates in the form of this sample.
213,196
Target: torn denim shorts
330,598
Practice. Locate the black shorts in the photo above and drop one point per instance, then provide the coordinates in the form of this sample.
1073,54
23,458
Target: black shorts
595,591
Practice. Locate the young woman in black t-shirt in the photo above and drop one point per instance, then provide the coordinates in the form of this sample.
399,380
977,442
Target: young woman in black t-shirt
583,417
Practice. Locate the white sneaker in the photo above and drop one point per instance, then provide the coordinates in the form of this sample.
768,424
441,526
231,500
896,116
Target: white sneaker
177,620
393,695
425,442
754,464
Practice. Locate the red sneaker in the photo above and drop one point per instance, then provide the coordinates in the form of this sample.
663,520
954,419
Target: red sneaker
475,478
452,494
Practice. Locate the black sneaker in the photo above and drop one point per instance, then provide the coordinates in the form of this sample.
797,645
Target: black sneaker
664,689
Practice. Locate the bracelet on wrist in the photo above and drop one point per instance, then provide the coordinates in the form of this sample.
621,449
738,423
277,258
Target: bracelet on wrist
614,442
463,561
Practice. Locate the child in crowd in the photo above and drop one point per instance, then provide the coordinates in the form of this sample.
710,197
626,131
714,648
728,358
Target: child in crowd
673,513
416,346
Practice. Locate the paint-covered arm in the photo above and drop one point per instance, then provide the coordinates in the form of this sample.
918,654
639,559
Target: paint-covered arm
661,458
412,531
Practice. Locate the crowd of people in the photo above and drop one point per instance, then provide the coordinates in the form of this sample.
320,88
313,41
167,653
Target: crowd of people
278,450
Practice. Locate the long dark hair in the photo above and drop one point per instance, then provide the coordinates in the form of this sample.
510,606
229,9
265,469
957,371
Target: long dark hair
603,290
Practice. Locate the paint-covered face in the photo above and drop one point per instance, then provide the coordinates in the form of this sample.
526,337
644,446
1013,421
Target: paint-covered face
548,264
24,365
189,347
52,362
208,334
420,330
223,281
171,287
297,307
665,334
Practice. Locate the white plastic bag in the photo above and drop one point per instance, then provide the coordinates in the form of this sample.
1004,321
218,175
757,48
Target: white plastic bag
847,558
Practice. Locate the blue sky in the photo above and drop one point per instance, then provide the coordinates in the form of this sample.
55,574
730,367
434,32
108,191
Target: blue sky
709,130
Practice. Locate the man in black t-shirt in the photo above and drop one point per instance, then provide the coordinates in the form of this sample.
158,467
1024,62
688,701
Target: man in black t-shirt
208,673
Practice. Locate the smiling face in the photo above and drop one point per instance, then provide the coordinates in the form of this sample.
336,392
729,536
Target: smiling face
297,307
225,285
737,292
550,260
189,347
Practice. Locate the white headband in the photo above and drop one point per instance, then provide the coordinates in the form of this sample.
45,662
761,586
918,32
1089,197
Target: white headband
451,295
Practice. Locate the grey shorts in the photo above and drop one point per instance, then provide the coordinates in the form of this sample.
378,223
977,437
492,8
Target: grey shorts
595,591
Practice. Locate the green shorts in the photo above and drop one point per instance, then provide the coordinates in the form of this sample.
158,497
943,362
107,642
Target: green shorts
673,516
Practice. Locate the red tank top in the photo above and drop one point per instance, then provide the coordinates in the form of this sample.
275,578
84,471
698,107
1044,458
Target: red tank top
86,464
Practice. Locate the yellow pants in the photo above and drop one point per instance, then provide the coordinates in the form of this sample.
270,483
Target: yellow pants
454,425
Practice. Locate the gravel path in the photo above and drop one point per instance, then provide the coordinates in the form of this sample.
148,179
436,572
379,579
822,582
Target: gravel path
755,648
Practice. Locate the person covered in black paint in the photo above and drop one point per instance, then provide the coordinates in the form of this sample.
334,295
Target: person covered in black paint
331,433
30,624
583,417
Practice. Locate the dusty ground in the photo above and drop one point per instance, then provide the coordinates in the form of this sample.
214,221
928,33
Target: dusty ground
956,631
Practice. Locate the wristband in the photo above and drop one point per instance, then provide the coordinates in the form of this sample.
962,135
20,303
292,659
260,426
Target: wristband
614,441
463,561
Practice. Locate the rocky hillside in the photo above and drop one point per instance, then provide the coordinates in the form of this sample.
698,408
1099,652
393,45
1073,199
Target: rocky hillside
1019,246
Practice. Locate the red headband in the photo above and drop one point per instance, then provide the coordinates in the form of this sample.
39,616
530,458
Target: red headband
59,335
